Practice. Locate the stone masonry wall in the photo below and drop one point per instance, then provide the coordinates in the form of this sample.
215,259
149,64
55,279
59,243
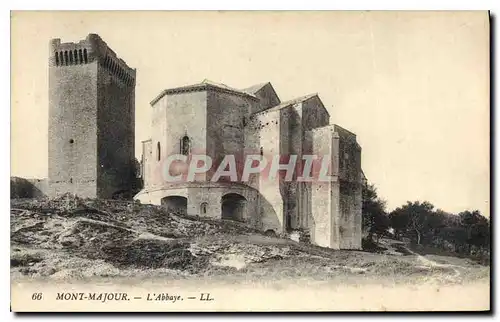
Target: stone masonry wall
91,119
272,203
115,132
350,189
73,128
227,117
176,116
324,219
146,162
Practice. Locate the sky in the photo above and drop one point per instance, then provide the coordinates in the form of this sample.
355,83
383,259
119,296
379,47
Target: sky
413,86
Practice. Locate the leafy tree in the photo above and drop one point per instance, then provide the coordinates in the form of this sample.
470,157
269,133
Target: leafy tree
375,219
466,233
477,229
412,218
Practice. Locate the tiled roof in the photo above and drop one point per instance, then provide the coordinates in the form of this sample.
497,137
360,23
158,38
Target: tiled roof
255,88
288,103
204,85
224,86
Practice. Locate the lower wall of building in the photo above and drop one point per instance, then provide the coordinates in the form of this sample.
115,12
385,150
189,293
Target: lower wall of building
323,221
357,214
347,214
86,189
237,202
271,206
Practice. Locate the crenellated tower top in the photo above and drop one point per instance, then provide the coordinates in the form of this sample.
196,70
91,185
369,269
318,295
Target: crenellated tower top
89,50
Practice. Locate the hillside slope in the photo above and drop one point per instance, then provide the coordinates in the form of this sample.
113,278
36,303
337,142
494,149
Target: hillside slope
71,238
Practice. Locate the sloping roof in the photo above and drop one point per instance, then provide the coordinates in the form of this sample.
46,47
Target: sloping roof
364,179
288,103
255,88
204,85
224,86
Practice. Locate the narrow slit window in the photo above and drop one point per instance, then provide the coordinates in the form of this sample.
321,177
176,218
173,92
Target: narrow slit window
158,151
185,145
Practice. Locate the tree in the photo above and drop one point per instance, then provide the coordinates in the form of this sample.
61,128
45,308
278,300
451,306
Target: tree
412,218
466,233
375,219
477,229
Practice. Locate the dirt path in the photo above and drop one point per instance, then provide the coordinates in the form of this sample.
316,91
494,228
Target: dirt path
429,263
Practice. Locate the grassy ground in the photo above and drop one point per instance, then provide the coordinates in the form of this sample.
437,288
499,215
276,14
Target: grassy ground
71,239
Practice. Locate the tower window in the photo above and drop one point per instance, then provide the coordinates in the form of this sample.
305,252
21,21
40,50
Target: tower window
158,151
203,208
185,145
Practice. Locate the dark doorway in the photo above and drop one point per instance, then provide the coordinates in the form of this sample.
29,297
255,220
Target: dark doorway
175,204
233,206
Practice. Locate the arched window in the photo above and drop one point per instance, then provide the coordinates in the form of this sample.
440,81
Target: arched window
203,208
66,59
71,57
57,59
158,151
85,55
80,55
185,145
75,54
61,58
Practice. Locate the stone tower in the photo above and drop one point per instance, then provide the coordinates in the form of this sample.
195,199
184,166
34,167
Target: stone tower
91,119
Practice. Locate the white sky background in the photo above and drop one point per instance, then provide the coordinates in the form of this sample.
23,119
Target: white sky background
414,87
